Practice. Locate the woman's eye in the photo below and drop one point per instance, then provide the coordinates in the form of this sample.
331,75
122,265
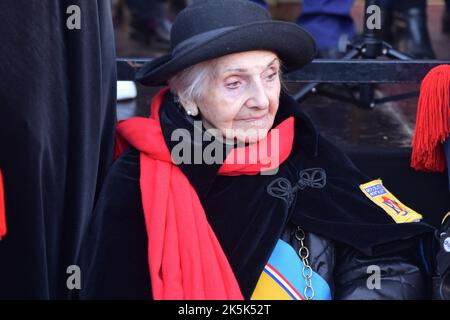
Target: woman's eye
233,85
272,76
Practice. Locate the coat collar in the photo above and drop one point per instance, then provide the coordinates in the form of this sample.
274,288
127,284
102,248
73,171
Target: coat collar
202,175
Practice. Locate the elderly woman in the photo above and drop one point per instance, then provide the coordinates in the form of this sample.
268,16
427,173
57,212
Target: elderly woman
228,191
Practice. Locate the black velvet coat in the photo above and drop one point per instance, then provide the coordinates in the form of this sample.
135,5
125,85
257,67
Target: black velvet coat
317,188
57,119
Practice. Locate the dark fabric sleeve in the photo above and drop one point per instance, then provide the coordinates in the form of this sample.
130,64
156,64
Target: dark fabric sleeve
113,259
57,118
402,276
339,210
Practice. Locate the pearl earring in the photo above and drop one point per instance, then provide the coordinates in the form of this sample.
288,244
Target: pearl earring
192,112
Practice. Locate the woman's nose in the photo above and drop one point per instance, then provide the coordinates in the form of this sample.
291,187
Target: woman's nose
258,96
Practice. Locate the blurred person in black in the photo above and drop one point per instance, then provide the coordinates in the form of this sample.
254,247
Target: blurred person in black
147,21
412,15
151,20
57,119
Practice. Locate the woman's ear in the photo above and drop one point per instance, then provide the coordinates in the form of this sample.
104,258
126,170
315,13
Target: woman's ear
190,107
192,112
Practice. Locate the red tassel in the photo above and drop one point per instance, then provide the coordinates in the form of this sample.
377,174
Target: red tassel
433,121
2,209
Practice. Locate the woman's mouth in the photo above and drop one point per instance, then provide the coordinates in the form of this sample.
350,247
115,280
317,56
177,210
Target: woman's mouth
254,119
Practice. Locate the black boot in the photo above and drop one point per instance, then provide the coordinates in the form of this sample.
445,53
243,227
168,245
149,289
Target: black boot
416,39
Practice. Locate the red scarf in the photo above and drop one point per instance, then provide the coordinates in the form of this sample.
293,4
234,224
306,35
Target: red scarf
185,258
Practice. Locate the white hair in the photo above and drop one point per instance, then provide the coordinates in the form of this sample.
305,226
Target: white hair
190,84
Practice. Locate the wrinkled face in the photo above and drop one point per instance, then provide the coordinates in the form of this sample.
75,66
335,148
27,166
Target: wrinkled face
242,98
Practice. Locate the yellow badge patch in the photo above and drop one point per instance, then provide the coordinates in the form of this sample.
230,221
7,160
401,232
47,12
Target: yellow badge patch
375,191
